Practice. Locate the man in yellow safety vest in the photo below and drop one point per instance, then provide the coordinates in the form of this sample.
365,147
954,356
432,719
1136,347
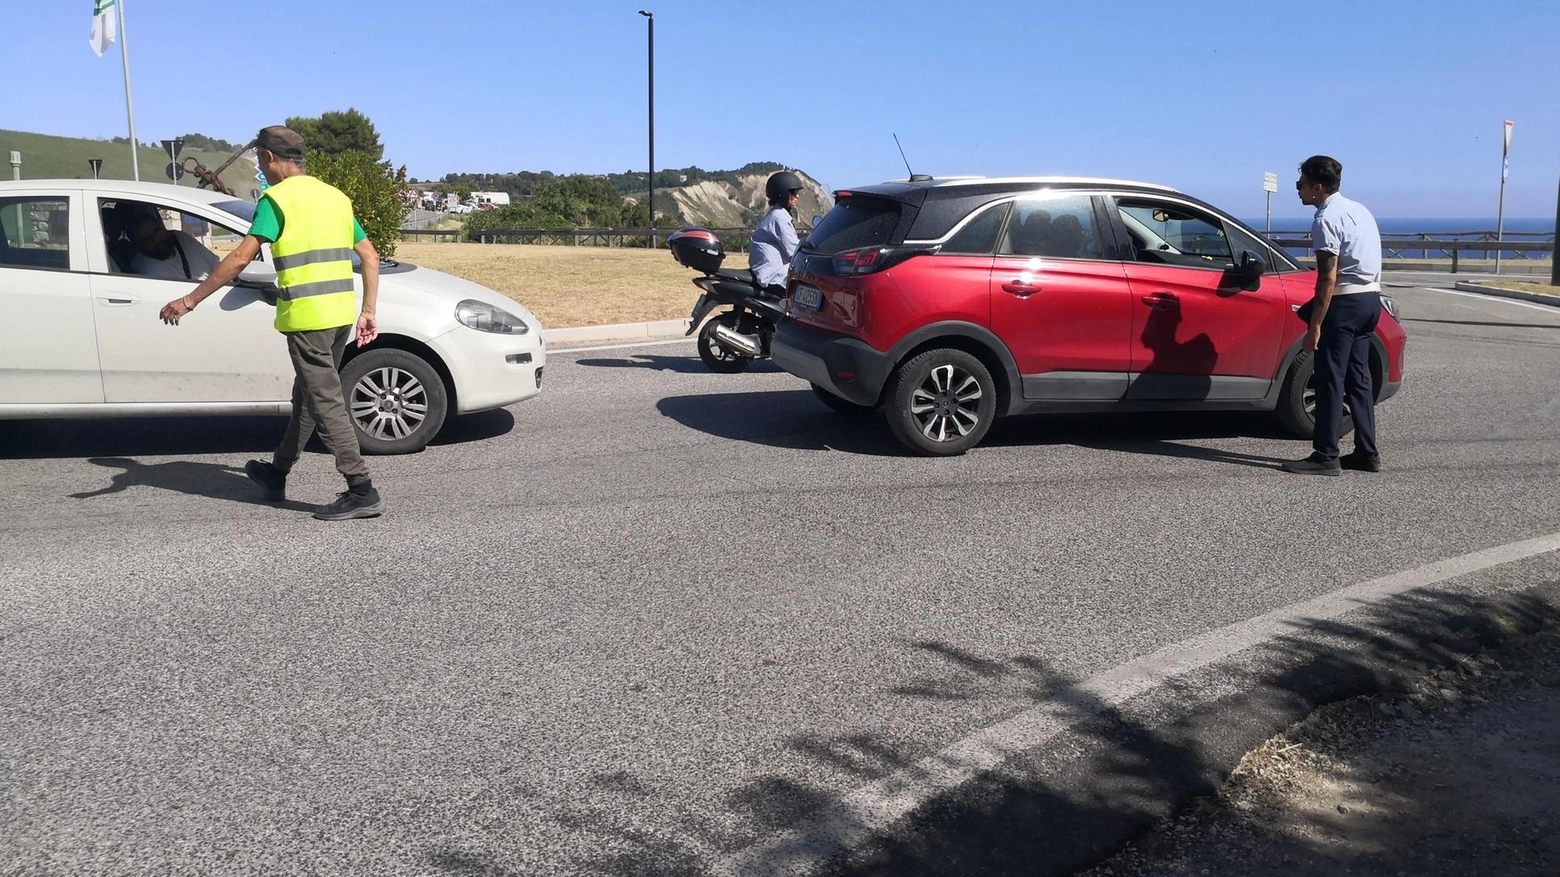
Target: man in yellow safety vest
313,234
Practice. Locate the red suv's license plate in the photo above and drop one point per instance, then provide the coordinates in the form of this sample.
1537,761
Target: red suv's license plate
810,297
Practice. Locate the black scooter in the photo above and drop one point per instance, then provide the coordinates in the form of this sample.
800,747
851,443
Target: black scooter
732,340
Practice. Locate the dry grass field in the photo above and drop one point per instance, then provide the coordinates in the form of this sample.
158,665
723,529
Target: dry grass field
572,286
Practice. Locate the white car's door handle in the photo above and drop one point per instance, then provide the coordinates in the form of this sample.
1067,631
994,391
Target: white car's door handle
118,300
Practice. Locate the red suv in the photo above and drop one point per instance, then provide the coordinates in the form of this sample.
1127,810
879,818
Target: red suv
951,302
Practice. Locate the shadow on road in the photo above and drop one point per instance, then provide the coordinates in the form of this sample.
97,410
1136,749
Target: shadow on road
193,436
472,428
679,364
197,479
795,419
1062,798
784,419
1152,434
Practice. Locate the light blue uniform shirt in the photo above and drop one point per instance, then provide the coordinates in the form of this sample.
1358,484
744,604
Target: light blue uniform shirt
1347,230
774,246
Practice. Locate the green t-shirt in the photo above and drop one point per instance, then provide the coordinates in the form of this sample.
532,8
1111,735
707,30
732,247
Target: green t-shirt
267,225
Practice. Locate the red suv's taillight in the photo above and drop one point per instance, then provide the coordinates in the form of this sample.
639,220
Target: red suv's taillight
870,259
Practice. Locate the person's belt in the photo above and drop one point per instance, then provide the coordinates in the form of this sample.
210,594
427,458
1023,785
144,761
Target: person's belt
1356,288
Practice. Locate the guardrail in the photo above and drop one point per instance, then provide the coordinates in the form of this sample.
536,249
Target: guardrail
735,239
1453,249
417,234
1394,245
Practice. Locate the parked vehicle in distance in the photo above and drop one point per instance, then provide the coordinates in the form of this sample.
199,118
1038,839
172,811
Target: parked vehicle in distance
947,303
83,338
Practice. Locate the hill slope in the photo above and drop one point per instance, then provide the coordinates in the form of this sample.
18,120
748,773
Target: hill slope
45,156
739,202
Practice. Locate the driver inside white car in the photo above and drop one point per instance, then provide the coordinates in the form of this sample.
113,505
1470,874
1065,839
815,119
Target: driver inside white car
170,255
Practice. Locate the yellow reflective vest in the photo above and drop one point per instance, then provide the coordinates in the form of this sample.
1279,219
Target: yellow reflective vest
313,255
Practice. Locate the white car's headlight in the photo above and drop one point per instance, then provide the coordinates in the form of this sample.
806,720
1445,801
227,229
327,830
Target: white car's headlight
1390,304
484,317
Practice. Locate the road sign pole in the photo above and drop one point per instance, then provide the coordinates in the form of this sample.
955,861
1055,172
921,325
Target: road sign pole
173,148
1269,185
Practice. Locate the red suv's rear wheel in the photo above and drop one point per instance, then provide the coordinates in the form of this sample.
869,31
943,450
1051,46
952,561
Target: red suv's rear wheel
941,402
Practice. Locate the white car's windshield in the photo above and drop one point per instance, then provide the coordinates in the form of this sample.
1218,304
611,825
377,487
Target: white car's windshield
242,209
246,211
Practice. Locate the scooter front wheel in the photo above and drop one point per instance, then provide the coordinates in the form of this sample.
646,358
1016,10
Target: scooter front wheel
717,356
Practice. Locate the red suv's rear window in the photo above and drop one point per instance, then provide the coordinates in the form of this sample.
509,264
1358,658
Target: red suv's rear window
856,221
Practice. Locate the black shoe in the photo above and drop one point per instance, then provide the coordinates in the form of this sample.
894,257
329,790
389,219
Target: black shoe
268,477
349,505
1361,462
1312,465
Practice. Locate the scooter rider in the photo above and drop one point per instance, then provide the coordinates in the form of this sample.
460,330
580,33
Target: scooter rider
774,240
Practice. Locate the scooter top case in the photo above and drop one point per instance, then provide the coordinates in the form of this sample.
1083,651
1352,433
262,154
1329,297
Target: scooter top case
697,248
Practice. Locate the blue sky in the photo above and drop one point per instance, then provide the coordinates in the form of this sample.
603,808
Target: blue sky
1204,96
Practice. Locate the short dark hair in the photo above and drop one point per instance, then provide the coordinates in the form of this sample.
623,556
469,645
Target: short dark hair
1323,169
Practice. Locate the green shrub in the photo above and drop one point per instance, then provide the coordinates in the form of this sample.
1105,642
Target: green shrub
377,191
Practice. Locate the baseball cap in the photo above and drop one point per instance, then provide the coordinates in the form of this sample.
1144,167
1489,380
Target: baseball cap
281,140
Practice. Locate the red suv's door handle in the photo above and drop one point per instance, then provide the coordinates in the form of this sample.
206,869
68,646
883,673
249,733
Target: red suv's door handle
1159,300
1020,288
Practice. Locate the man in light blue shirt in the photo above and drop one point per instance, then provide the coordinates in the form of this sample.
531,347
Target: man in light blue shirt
774,240
1340,320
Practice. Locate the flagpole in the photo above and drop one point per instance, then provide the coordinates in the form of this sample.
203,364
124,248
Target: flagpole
124,54
1500,221
1500,210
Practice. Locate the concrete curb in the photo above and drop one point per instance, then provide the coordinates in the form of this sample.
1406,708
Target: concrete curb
656,329
1466,286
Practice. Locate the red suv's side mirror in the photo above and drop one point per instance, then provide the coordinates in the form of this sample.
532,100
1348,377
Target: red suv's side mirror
1250,270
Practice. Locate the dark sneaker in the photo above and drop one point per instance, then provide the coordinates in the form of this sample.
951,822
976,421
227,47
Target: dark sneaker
1360,462
269,478
1312,465
349,505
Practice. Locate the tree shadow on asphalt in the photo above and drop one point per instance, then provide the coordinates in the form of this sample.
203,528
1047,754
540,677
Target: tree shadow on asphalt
794,419
182,476
1127,765
688,365
191,436
1090,774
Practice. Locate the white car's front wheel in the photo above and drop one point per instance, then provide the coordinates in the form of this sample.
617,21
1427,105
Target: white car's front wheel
396,399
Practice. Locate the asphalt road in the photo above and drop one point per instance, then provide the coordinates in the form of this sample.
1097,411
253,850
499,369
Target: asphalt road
648,620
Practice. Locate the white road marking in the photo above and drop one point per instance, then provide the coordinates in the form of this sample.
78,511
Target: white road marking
875,806
1493,298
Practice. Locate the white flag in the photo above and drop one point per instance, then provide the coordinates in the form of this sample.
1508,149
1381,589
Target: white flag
104,31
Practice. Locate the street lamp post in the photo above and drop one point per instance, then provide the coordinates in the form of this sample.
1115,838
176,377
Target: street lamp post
650,198
1554,269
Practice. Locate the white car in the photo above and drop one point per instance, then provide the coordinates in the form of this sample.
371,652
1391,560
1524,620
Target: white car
82,336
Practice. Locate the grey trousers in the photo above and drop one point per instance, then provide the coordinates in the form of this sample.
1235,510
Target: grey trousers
318,403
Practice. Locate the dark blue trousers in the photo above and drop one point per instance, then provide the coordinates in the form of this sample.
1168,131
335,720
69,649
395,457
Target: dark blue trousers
1343,374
